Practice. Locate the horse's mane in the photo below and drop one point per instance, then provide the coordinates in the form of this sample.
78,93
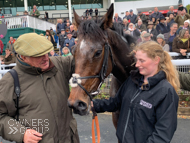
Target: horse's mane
90,29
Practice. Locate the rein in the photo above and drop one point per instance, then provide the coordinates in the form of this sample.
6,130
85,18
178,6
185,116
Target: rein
76,80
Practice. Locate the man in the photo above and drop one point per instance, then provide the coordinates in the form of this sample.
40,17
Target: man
70,41
90,11
67,26
62,38
156,14
10,44
181,17
169,37
140,26
132,17
43,112
96,12
117,19
181,5
171,10
142,17
8,58
148,16
126,15
133,31
60,26
146,37
1,47
34,12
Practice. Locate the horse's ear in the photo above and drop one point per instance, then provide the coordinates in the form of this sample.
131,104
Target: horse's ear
106,21
77,18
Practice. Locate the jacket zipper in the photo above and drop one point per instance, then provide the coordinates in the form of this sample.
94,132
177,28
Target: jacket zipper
128,115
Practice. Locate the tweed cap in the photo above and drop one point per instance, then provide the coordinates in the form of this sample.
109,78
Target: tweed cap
146,35
32,45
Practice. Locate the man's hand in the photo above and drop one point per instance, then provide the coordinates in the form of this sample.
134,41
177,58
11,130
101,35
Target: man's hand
32,136
67,45
151,35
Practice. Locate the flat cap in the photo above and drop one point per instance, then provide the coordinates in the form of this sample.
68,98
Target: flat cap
146,35
32,45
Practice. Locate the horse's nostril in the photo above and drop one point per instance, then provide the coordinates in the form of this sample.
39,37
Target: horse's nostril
82,105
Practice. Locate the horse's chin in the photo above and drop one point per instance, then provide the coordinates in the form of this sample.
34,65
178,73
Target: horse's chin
82,113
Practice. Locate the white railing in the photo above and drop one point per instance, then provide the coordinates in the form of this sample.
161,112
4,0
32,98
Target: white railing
174,54
27,21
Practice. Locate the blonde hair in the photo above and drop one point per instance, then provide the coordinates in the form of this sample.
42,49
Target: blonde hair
125,20
182,32
152,49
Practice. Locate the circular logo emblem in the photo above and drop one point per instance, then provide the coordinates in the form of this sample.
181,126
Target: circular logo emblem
3,29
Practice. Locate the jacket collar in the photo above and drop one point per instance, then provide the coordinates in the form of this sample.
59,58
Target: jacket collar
33,70
152,81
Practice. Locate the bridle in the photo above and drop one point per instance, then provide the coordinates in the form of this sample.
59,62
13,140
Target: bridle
101,75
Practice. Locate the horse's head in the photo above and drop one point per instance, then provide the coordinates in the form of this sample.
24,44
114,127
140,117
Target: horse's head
93,61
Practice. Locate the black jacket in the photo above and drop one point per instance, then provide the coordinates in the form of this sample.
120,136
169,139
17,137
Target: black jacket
161,28
148,113
154,33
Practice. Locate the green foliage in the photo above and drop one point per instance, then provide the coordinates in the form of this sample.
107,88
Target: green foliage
188,7
102,95
187,99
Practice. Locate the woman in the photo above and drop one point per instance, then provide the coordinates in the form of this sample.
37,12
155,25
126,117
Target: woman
161,27
147,100
50,37
151,30
185,26
125,25
161,42
181,43
170,21
66,52
133,31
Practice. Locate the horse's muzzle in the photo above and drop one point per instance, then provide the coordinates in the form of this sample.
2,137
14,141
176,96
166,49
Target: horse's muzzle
79,107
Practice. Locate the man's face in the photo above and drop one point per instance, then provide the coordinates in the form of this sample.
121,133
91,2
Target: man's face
156,9
34,7
116,15
172,8
38,62
147,38
139,23
11,38
127,13
131,13
63,32
68,24
69,36
174,28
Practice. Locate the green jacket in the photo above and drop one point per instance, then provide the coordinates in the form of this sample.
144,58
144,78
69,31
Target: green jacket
180,21
184,79
42,103
69,54
36,12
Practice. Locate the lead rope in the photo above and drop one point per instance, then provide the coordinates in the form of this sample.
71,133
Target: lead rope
95,119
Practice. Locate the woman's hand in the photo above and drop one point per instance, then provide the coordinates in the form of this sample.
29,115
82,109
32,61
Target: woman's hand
92,105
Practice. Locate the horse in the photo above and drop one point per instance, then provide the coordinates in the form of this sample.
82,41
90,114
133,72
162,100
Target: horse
102,49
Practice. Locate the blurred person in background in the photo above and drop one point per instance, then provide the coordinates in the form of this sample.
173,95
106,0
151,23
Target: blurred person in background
34,12
66,52
152,31
125,24
185,26
181,43
132,17
140,26
117,19
161,42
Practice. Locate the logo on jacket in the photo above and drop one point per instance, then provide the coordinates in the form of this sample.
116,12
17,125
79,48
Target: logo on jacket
145,104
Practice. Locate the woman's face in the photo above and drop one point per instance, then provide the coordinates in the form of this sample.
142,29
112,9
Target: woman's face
65,51
159,40
150,26
153,19
131,26
186,34
186,24
147,66
171,16
47,33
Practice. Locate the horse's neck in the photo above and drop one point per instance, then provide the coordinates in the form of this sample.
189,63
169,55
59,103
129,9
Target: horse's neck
122,66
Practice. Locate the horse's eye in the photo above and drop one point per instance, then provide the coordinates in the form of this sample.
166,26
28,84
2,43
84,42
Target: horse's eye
98,53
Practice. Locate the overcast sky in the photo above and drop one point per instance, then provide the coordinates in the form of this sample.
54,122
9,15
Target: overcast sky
186,2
